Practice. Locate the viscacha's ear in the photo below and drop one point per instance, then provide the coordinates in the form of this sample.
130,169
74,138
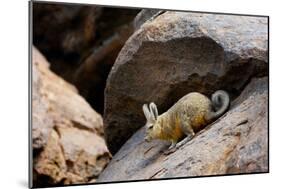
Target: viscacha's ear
153,110
148,115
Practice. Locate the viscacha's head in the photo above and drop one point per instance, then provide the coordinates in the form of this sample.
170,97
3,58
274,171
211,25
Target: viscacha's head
151,114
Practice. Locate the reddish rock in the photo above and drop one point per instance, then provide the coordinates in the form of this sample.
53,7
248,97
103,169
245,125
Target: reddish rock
42,121
68,144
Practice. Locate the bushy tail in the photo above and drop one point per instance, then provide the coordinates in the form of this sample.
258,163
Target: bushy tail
220,102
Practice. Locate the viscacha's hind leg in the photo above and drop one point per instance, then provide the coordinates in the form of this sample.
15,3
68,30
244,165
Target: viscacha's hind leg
187,130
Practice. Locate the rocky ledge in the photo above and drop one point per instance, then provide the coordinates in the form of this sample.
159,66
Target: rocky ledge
236,143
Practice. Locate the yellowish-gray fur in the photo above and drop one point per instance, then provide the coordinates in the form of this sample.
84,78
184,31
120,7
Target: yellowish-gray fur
189,115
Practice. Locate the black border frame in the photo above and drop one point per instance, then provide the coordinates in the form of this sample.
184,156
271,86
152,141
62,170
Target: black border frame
30,44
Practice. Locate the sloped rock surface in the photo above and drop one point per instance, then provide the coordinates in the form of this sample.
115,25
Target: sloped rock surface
68,144
236,143
177,53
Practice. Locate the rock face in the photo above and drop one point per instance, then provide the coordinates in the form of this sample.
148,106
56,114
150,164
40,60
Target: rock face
68,144
145,15
82,42
42,121
176,53
236,143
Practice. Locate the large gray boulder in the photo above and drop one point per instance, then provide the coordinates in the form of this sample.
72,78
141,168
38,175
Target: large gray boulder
236,143
176,53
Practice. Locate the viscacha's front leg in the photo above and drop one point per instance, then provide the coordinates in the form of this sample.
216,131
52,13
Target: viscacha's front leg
172,148
173,144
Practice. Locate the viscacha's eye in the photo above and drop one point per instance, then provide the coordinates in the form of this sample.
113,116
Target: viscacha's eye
150,126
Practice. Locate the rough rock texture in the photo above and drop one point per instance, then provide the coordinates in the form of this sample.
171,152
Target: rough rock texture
68,144
236,143
177,53
42,122
82,42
